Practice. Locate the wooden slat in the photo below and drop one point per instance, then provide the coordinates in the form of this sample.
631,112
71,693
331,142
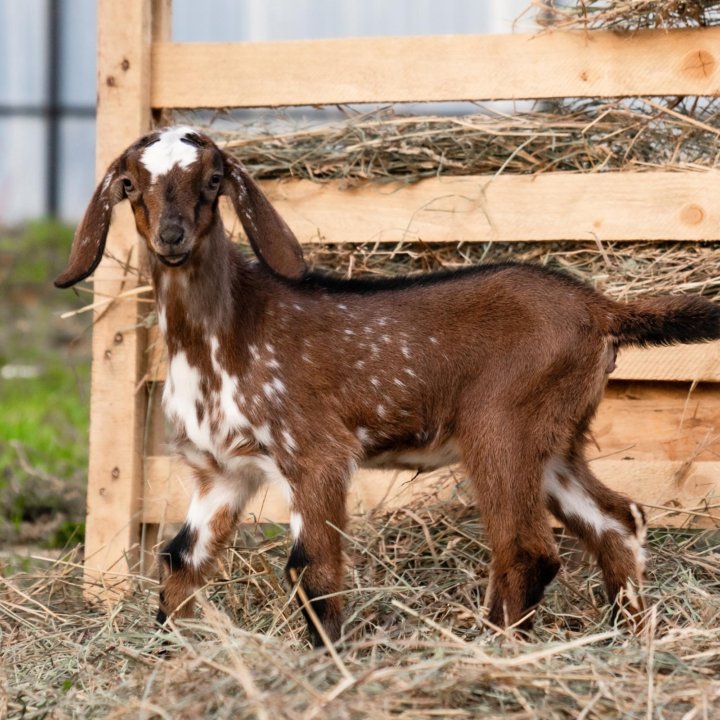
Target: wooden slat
657,421
438,68
696,363
671,486
552,206
115,463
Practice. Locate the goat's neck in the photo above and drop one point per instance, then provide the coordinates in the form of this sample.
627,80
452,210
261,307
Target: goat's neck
195,302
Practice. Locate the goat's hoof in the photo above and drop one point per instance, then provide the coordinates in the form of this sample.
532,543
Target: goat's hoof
629,611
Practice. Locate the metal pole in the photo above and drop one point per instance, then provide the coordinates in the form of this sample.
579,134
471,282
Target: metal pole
52,157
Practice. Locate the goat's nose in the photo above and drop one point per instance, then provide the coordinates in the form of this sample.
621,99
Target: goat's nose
171,235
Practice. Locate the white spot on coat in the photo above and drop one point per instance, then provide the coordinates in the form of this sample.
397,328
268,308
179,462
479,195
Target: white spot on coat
106,181
362,435
262,434
289,440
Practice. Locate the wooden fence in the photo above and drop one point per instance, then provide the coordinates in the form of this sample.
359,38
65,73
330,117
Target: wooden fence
657,428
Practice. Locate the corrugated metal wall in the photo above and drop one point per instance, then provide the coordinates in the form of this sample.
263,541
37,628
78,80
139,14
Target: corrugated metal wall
24,70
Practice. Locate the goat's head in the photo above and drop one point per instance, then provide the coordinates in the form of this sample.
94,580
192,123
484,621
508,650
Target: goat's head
173,179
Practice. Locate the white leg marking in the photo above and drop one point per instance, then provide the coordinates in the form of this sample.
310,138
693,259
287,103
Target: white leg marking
575,501
636,542
201,512
296,525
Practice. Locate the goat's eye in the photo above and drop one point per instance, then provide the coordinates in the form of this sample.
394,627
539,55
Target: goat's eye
215,181
127,184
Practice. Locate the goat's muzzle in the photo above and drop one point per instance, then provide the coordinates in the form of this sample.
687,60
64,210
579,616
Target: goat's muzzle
171,241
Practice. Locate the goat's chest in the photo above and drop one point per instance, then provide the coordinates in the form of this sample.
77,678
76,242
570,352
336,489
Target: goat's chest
205,406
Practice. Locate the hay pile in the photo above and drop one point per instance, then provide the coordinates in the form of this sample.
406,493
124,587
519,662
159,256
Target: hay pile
580,136
626,14
416,644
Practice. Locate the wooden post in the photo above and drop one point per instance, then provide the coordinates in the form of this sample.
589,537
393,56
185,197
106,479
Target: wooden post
117,410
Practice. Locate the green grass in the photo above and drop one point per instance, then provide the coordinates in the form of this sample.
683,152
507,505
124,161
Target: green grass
43,418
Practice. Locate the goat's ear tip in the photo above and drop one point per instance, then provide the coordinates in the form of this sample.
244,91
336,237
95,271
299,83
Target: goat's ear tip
297,274
65,280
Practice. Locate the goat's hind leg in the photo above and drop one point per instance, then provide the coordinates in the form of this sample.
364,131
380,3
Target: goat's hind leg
524,556
609,525
188,558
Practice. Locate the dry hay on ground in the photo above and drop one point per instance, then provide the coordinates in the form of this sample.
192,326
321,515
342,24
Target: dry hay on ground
417,646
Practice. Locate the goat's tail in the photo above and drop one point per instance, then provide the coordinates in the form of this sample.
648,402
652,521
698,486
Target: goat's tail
666,321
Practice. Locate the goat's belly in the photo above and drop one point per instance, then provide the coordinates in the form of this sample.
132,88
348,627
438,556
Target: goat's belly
422,458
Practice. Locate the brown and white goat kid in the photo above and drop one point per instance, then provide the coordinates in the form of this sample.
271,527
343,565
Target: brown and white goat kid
282,375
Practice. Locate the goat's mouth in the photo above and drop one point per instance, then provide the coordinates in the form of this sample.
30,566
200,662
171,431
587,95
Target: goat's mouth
173,260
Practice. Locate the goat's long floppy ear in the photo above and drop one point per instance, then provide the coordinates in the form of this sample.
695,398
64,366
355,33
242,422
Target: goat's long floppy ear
89,241
272,240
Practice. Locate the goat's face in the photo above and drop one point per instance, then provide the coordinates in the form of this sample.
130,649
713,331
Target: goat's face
173,179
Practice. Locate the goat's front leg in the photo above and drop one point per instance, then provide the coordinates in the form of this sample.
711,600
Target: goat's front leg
187,559
318,514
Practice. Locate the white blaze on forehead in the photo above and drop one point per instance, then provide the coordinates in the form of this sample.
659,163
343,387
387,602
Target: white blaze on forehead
169,150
